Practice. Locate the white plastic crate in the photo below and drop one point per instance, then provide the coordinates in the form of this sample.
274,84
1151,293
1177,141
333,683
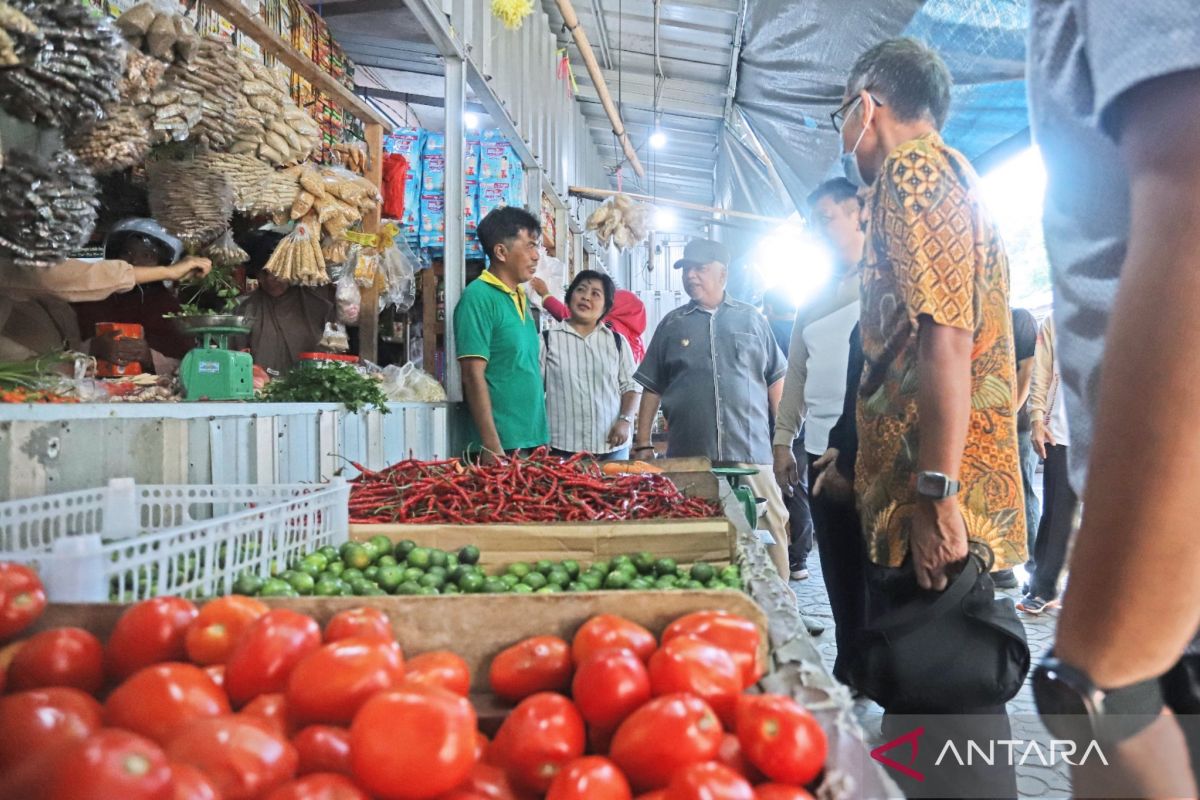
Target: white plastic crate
126,542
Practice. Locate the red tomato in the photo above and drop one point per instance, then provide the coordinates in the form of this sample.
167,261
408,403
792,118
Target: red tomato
111,763
323,748
607,631
412,743
7,653
610,685
22,598
58,657
781,738
538,738
149,632
319,787
730,754
189,783
330,684
736,635
42,720
536,664
662,737
216,673
657,794
271,711
440,668
690,664
267,652
158,701
590,778
462,794
213,634
780,791
243,759
489,782
358,623
708,781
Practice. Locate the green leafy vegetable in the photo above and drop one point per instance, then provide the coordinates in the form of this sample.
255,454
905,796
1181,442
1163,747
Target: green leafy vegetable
328,382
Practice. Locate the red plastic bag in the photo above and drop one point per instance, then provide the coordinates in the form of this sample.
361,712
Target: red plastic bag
395,170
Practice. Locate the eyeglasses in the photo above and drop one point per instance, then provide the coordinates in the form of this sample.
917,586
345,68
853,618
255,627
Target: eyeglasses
839,117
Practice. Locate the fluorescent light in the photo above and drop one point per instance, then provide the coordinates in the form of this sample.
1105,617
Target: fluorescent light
658,140
792,259
471,120
665,219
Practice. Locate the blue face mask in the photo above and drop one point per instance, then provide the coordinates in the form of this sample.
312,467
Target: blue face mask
850,160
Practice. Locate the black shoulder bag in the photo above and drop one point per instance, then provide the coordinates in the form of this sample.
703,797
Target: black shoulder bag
947,652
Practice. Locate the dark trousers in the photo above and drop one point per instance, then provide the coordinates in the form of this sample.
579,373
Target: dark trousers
800,521
887,590
843,564
1054,532
1033,509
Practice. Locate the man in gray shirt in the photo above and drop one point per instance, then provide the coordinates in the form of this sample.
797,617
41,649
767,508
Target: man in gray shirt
1114,89
714,367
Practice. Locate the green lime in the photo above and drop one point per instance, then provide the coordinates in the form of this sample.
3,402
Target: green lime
510,580
521,588
731,575
549,588
451,561
317,559
371,573
458,573
520,569
420,557
403,548
248,584
357,555
572,568
429,590
434,580
408,587
303,583
577,586
413,574
558,576
345,589
592,580
641,584
603,567
276,587
644,562
616,580
374,591
386,561
471,583
336,568
450,588
329,551
665,566
390,578
494,586
535,580
438,558
629,570
372,550
350,574
326,587
362,586
691,584
715,583
665,582
620,561
442,571
382,544
702,572
469,555
544,565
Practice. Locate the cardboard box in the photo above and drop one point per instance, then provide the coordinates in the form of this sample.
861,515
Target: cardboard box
685,540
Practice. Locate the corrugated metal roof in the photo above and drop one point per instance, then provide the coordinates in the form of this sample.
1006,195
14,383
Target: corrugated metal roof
696,54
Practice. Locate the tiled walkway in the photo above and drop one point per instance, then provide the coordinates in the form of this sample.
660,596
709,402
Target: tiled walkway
1033,781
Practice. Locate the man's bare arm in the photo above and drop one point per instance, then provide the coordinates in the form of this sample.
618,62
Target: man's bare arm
1024,381
479,401
647,411
1135,574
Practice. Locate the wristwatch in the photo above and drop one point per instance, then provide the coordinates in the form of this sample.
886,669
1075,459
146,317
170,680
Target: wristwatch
1074,708
628,418
936,485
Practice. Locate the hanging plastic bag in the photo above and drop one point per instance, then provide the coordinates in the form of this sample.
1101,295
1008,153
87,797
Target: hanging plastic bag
554,273
411,384
335,339
365,263
349,299
400,273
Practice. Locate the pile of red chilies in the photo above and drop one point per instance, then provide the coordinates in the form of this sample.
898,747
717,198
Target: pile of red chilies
540,488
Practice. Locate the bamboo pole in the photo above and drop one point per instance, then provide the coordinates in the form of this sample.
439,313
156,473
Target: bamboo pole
571,21
601,194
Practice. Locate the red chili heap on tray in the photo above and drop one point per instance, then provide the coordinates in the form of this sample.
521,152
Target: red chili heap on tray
540,488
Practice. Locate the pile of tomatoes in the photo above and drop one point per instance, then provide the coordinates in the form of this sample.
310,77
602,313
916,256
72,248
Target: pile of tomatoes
237,701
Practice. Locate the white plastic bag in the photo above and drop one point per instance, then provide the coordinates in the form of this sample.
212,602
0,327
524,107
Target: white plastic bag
399,268
411,384
349,299
554,273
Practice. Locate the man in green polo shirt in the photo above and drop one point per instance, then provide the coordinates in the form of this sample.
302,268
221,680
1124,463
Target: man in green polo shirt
497,340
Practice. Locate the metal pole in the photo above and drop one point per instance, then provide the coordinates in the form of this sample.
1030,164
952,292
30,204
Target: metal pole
454,259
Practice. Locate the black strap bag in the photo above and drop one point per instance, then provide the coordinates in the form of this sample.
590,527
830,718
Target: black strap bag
953,651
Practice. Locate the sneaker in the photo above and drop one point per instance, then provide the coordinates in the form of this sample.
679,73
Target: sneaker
800,574
1032,604
1004,579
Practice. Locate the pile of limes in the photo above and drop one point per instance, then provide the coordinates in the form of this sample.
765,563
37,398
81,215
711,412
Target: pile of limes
377,567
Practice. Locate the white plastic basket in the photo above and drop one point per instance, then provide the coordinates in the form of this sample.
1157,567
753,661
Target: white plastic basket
126,542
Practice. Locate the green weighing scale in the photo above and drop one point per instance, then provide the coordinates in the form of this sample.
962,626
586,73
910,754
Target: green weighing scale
741,491
212,371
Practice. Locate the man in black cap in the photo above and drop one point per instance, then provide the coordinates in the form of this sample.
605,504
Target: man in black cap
714,367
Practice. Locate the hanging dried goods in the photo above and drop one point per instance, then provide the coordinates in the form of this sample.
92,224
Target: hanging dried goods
298,258
620,221
225,252
213,75
270,125
176,112
49,208
339,198
66,74
17,31
158,32
142,76
188,199
119,141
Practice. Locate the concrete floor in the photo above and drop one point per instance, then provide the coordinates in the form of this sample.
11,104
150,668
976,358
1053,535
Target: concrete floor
1033,780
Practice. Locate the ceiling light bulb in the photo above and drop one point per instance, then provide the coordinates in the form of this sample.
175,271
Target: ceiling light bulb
658,140
665,219
471,120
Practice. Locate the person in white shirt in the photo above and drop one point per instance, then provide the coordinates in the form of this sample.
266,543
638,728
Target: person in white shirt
813,394
1050,432
588,368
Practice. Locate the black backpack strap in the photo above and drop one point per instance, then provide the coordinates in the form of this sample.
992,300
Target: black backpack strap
617,337
546,340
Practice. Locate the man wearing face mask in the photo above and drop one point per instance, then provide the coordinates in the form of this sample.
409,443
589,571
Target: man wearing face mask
714,367
938,460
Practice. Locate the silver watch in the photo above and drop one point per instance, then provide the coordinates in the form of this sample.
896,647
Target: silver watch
936,485
628,418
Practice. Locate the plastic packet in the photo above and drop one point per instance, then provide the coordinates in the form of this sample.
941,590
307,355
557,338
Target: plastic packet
411,384
400,272
364,263
335,339
349,299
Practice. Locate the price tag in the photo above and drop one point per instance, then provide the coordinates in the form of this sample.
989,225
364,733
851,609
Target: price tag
360,238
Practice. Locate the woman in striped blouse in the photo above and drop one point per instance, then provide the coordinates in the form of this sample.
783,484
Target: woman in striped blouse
591,396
